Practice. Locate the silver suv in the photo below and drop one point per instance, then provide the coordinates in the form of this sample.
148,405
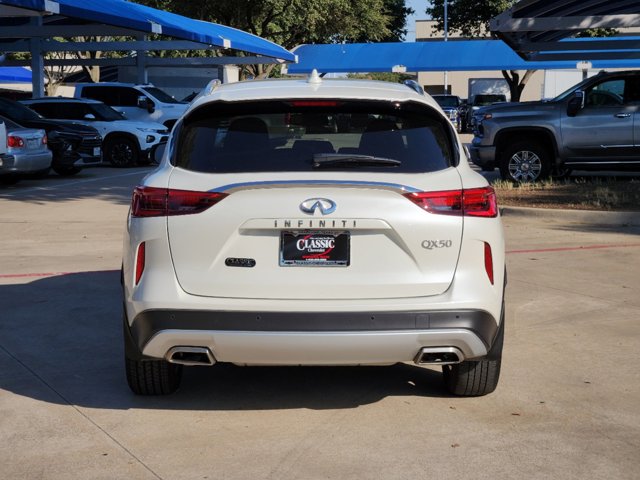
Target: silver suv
590,127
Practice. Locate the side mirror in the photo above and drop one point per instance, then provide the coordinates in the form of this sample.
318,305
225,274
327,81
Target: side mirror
146,103
576,103
89,116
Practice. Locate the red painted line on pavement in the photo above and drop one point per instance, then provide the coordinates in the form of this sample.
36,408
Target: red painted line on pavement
568,249
50,274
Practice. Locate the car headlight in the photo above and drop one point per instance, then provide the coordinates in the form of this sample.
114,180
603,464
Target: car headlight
151,130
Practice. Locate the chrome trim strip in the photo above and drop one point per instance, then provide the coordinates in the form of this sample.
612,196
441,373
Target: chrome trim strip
628,162
297,183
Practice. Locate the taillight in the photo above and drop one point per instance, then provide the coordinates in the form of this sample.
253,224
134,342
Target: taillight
15,142
488,261
480,202
44,140
445,203
475,202
140,262
314,103
163,202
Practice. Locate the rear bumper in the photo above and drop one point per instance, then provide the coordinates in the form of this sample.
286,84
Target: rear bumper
25,163
316,338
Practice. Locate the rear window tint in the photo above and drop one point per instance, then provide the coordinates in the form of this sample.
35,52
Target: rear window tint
291,135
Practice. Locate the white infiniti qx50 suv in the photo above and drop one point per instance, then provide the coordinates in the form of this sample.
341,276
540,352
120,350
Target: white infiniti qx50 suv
314,222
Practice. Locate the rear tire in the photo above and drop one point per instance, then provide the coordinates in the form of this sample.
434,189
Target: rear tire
152,377
472,379
147,376
476,378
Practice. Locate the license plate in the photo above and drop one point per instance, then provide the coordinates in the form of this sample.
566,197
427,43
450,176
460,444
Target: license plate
96,151
317,249
33,143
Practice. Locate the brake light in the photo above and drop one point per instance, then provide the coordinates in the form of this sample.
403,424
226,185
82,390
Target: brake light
140,262
44,140
163,202
480,202
15,142
314,103
475,202
488,261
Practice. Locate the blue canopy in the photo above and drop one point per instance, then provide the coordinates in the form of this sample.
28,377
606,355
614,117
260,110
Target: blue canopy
437,56
141,18
15,75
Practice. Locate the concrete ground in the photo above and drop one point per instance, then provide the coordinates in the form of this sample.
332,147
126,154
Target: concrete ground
568,403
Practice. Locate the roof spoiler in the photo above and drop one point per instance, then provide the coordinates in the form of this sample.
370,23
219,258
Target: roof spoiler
415,86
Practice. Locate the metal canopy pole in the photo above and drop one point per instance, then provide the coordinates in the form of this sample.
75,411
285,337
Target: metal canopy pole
446,37
37,62
142,75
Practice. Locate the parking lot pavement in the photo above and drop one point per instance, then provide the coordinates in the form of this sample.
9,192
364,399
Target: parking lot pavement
568,404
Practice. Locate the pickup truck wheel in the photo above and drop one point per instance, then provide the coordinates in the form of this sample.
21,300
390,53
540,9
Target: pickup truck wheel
121,152
525,162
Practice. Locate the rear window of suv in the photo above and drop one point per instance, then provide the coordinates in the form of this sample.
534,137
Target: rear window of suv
307,135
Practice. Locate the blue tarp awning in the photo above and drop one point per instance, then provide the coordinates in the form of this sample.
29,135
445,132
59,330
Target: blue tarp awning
436,56
141,18
15,75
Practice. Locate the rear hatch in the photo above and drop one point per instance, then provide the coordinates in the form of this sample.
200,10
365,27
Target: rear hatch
321,213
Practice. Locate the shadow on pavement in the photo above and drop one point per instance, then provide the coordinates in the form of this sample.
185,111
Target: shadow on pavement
114,185
60,342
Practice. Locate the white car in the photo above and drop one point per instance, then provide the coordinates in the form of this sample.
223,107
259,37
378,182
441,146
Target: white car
26,152
125,142
361,237
146,103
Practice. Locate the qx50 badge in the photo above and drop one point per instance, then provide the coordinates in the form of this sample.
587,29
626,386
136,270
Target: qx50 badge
325,206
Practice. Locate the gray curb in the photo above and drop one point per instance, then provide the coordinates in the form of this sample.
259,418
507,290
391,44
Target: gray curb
575,216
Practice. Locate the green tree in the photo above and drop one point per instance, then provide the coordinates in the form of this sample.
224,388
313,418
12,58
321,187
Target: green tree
470,18
382,76
294,22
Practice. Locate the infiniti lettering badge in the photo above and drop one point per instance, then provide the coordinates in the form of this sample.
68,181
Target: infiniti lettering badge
325,206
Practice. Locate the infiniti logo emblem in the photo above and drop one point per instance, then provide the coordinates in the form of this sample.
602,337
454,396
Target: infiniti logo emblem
325,206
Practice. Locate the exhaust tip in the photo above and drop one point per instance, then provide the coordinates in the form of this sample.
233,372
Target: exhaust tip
439,356
190,356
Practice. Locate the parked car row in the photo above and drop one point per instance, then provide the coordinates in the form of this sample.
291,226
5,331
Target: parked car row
461,112
78,132
124,142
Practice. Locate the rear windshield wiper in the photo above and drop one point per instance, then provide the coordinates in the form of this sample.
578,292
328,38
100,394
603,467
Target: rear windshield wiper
321,160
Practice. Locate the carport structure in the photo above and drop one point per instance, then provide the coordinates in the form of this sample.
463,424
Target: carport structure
436,56
32,25
538,30
534,36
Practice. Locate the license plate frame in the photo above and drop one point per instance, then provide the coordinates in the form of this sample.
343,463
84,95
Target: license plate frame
318,249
